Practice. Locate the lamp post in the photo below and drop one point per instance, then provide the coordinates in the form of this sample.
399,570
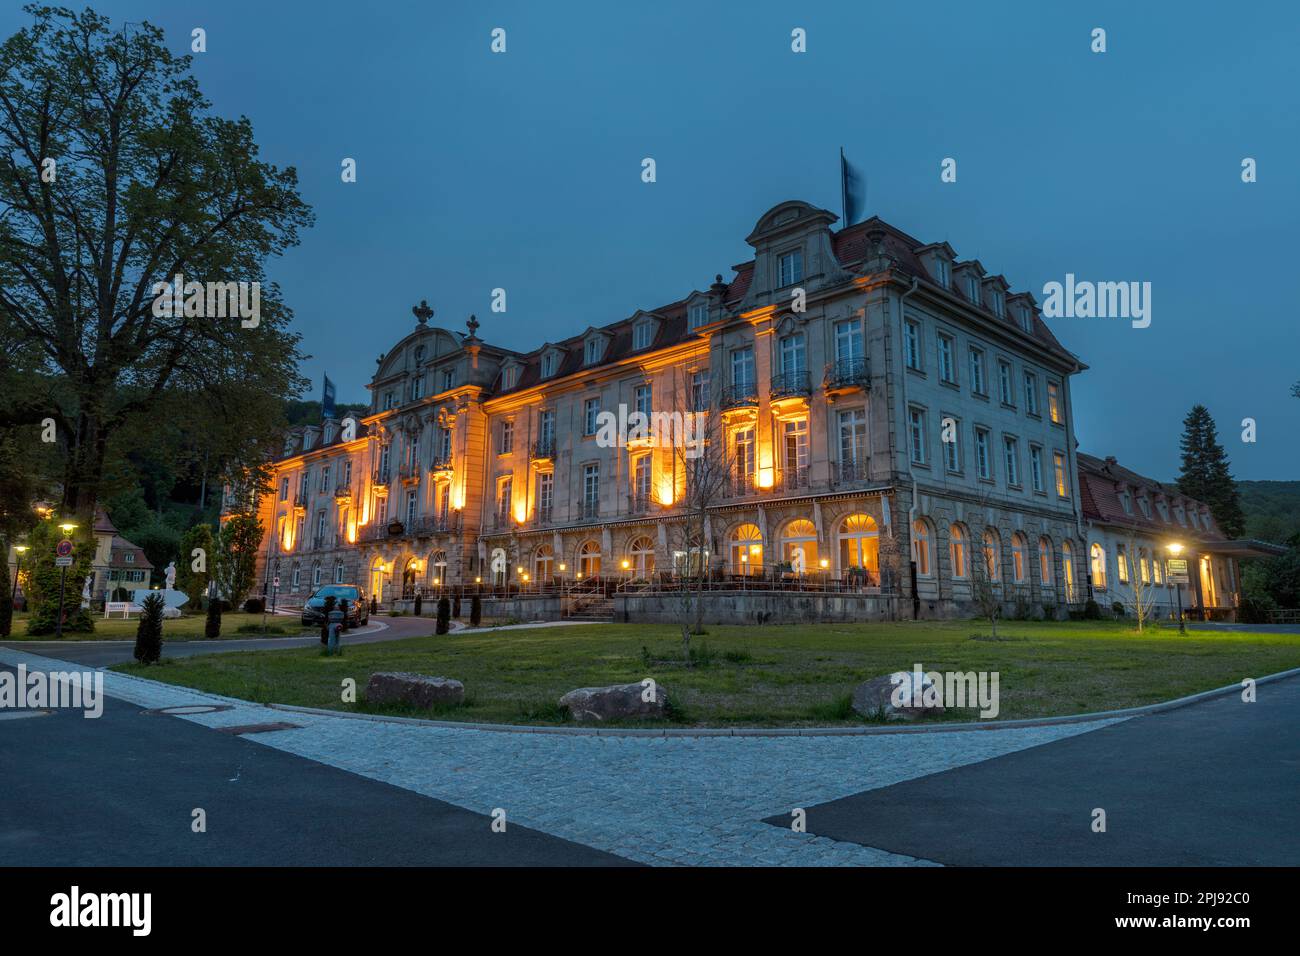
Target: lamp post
1176,549
18,564
67,528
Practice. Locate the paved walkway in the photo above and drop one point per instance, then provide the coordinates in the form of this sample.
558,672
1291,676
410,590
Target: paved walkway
689,800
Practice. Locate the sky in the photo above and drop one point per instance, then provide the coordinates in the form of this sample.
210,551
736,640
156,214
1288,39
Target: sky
522,170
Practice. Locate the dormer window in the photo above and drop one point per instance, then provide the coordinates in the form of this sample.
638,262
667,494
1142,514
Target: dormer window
973,288
642,333
1126,500
699,315
1164,511
1192,514
999,306
941,271
550,364
1180,515
510,376
789,268
591,354
1145,505
1026,318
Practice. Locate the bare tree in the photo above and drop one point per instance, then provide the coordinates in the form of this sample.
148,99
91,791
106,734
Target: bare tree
986,588
1143,596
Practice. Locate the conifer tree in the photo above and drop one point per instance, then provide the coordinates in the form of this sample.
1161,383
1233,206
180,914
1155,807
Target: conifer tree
1206,474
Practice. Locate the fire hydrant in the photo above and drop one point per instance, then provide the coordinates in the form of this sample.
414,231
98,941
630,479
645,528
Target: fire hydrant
335,626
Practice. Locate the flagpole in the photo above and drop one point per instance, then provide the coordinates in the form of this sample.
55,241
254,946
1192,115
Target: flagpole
844,190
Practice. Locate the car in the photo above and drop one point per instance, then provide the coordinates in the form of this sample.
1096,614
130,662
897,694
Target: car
313,611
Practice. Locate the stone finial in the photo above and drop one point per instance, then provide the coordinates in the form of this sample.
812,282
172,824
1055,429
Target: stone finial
472,325
719,288
422,312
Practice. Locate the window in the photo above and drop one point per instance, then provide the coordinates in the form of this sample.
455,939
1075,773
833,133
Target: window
1145,504
448,379
641,334
347,473
1045,561
700,391
1062,480
947,368
641,479
505,491
444,443
1011,458
315,574
789,268
1099,568
921,547
1031,393
973,288
510,376
320,528
1144,568
546,428
952,449
957,551
912,345
1126,501
747,550
982,458
977,384
699,315
1163,508
297,576
545,495
589,559
859,542
848,341
284,489
417,388
506,439
1006,391
410,509
388,400
325,477
1019,558
1121,563
853,439
590,489
642,400
384,455
1054,402
999,307
1036,467
593,350
742,446
590,414
991,555
129,557
941,272
795,464
1192,515
642,553
338,573
916,435
544,563
792,354
1067,571
799,546
1026,319
742,368
548,365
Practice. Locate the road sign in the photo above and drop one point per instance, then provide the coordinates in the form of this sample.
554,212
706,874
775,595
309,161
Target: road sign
275,581
1178,571
64,561
63,548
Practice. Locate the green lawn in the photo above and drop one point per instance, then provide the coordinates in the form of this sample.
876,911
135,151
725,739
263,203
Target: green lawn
187,628
795,675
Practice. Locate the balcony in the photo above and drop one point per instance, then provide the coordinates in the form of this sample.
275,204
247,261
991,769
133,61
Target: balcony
379,479
847,375
793,480
408,474
342,492
322,542
543,450
739,484
739,400
300,501
639,503
441,465
853,472
436,524
790,389
541,517
590,509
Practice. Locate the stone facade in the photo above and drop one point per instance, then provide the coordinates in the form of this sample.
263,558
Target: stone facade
875,399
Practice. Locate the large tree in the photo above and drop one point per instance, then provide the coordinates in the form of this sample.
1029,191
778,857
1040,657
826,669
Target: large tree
116,177
1206,474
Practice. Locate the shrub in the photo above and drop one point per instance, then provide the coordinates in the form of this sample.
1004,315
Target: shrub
1092,611
148,632
455,607
6,611
1254,609
476,611
212,626
254,606
1118,608
444,615
419,603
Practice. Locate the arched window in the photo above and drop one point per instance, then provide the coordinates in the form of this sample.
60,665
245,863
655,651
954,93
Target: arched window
377,578
1098,567
315,574
338,573
991,555
1067,571
543,563
642,554
437,569
957,551
589,559
746,550
1045,561
297,575
921,547
1121,563
799,546
1144,566
859,543
1019,558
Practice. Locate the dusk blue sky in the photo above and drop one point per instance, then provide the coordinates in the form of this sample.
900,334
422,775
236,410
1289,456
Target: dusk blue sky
522,170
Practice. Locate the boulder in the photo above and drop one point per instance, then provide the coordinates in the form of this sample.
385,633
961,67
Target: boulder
875,697
417,690
615,701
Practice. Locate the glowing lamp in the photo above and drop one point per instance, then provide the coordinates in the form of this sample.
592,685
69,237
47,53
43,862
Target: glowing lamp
766,478
626,564
824,563
1175,548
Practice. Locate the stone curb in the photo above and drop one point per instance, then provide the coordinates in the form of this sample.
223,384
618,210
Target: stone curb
797,731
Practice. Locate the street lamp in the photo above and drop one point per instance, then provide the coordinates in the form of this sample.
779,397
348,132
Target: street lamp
18,564
67,527
1176,549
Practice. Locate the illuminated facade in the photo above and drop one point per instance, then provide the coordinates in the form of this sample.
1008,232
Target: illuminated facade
876,398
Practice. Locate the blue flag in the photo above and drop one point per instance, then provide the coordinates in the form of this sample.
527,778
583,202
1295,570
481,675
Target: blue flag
327,401
853,191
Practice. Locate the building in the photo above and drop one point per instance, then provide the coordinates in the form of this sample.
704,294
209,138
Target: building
1131,522
118,563
874,397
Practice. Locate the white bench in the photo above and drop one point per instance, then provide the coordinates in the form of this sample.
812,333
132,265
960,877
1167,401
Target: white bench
125,607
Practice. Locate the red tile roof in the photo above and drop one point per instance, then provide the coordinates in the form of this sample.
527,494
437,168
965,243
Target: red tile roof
1100,483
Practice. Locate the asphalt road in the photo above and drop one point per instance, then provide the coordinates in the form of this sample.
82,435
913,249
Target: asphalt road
108,653
1215,783
120,791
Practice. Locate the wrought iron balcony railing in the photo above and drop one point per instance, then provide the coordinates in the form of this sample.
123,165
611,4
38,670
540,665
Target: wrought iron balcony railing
743,395
794,479
379,478
852,471
300,500
440,464
848,373
793,384
638,503
543,450
590,508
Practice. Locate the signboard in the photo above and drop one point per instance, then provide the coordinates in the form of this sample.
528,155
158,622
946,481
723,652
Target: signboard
63,562
1178,571
275,581
63,548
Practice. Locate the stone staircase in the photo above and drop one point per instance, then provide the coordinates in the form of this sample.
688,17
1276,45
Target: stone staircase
592,609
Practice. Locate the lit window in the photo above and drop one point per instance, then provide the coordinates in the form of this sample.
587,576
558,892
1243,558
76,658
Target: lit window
957,551
1054,402
1099,568
1062,480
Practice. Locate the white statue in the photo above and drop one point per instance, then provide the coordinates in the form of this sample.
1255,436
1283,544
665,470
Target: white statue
170,574
85,590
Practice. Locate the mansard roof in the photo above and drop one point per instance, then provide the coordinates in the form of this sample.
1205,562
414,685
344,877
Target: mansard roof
1100,483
